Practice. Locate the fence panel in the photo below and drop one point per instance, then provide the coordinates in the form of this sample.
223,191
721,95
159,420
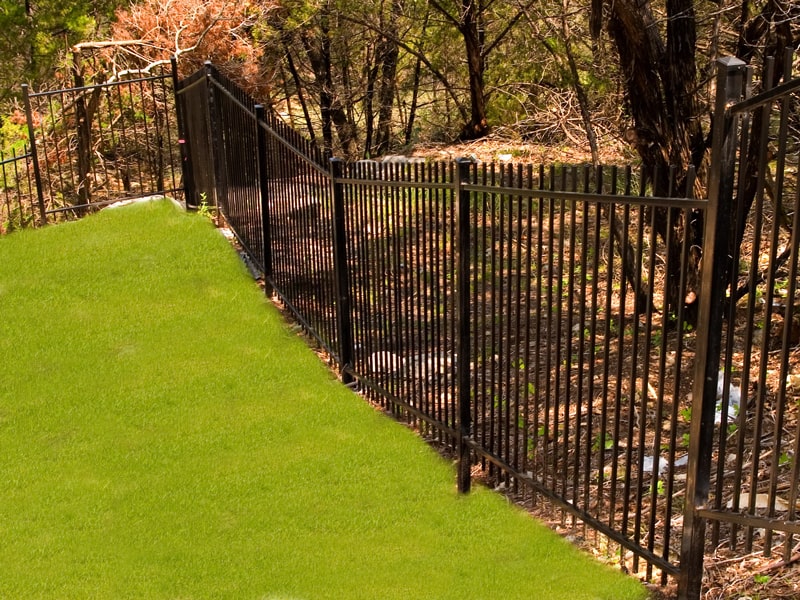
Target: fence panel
97,144
235,144
579,370
401,240
301,220
581,357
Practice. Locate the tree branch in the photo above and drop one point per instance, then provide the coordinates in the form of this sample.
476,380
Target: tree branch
418,54
456,22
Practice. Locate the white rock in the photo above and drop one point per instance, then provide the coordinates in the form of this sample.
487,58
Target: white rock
384,362
734,400
663,464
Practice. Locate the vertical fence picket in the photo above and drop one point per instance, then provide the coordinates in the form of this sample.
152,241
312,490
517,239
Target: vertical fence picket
264,195
463,245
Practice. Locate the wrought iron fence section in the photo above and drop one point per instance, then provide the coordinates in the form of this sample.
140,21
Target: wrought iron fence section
235,139
527,318
401,250
97,144
301,229
577,349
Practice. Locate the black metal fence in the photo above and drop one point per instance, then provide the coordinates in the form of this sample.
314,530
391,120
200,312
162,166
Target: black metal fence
534,320
748,440
284,220
19,198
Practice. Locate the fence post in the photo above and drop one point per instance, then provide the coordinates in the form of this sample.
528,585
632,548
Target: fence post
218,155
183,139
343,301
37,174
263,178
462,199
716,237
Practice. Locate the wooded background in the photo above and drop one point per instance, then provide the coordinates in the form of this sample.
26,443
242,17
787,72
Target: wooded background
368,78
365,79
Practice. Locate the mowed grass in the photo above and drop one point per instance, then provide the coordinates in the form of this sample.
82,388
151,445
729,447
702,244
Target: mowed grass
163,434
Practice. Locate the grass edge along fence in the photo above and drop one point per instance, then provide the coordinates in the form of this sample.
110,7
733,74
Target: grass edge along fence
555,378
207,453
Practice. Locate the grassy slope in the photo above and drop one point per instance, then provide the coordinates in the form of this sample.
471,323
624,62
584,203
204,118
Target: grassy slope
163,435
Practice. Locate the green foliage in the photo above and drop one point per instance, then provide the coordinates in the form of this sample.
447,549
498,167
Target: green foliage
13,134
604,440
32,45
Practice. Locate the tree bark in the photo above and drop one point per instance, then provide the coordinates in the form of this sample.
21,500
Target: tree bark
660,80
298,84
317,46
389,55
473,33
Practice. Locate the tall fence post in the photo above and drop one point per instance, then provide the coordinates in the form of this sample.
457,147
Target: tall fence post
716,238
462,199
37,174
183,138
343,301
217,141
263,182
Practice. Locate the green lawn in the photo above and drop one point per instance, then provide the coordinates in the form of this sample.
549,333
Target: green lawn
163,434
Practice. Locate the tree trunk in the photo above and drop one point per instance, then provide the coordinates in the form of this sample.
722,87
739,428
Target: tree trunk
298,84
660,81
474,37
412,112
369,112
318,49
580,91
389,54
